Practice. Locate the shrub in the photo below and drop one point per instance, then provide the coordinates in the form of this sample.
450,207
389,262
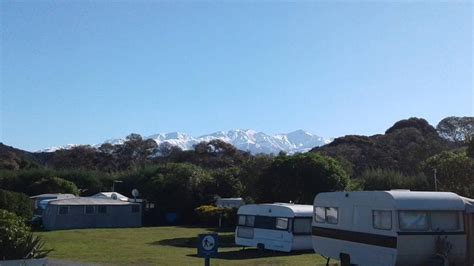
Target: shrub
230,217
18,203
16,240
386,179
53,185
208,214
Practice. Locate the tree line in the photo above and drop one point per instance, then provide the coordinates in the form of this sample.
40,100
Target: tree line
178,181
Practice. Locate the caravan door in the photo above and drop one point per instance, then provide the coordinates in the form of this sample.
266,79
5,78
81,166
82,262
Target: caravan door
371,239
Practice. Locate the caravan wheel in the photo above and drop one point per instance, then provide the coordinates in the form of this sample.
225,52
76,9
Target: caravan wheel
260,247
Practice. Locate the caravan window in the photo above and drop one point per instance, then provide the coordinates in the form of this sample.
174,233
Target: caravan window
102,209
250,220
88,209
445,221
265,222
63,210
242,219
302,226
326,214
332,215
247,220
282,223
413,220
319,214
382,219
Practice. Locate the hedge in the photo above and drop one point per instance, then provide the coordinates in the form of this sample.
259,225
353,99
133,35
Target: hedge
18,203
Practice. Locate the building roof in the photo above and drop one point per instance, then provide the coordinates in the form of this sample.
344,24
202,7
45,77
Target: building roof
89,201
109,195
53,195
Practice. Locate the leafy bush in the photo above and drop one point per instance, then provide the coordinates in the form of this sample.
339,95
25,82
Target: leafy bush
300,177
386,179
209,215
454,171
16,240
17,203
36,181
53,185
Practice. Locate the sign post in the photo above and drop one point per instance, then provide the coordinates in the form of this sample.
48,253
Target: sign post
207,247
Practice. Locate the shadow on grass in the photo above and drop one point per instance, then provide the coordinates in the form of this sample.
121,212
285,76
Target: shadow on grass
247,254
210,229
225,241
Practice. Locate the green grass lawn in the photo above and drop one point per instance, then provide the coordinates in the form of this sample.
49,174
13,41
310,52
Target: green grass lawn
159,245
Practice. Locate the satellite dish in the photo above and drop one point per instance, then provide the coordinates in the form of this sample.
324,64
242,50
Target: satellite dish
135,193
113,196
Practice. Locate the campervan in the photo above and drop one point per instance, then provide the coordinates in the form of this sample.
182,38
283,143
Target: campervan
398,227
278,226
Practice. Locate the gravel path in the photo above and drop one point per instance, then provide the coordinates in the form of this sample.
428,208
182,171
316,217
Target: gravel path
56,262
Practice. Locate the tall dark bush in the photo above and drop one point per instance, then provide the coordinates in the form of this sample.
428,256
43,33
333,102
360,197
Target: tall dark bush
18,203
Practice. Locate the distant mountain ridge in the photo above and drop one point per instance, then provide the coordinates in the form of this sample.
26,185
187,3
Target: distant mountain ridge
246,140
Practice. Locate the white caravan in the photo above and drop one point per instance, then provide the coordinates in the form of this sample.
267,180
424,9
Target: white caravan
398,227
278,226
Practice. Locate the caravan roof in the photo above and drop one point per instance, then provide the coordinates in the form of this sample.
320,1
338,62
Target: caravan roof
469,204
398,199
110,195
277,210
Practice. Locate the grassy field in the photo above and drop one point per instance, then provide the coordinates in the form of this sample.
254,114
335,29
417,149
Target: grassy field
159,246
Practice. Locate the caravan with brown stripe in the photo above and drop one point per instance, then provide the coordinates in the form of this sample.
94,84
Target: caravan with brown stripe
398,227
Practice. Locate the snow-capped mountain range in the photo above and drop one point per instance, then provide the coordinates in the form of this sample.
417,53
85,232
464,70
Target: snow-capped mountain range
246,140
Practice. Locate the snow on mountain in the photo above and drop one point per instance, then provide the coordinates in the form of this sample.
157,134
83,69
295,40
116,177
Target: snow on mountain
246,140
179,139
55,148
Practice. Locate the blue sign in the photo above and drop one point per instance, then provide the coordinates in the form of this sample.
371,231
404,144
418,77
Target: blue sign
207,245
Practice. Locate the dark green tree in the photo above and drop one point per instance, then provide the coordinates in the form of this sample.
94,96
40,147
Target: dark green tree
52,185
250,171
455,172
18,203
300,177
227,183
135,151
470,149
386,179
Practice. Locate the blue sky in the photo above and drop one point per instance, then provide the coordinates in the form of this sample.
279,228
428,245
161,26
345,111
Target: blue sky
83,72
